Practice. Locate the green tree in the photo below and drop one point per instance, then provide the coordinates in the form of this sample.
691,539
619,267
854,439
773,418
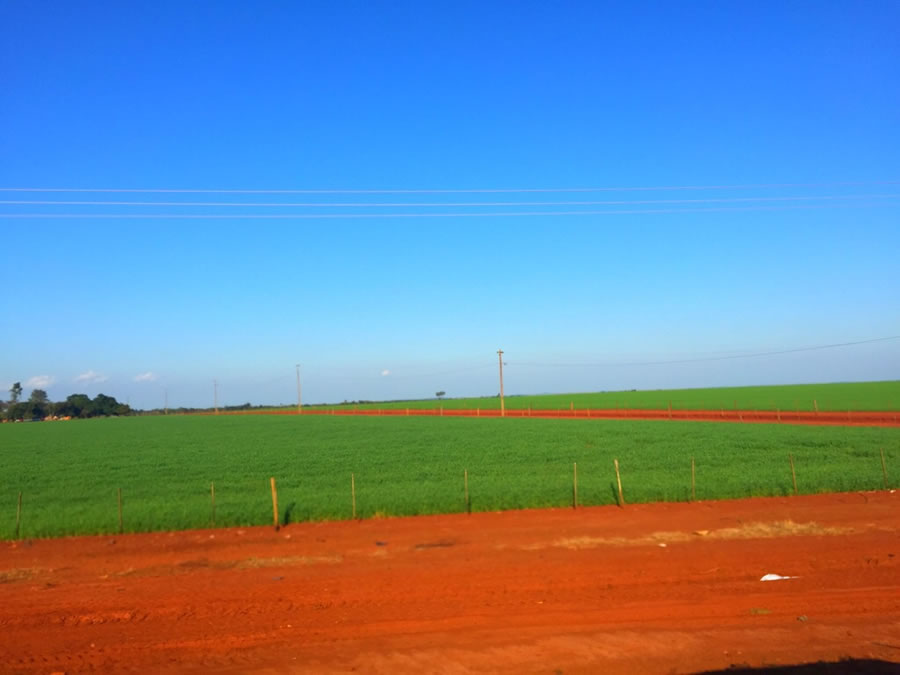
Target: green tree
76,405
38,404
16,411
15,392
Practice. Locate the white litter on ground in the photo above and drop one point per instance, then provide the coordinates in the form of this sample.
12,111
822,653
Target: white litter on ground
775,577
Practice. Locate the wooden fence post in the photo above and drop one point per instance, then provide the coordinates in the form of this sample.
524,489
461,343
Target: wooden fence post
693,482
19,513
574,485
121,527
274,503
793,473
619,482
466,485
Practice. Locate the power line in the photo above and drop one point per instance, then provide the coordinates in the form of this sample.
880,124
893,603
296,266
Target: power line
461,214
745,186
708,358
615,202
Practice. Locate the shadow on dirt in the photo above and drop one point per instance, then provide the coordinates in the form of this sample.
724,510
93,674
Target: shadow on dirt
843,667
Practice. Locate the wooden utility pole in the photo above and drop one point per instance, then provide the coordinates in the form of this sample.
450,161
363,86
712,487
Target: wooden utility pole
216,395
299,399
502,404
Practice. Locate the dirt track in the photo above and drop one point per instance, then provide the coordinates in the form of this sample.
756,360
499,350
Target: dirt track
850,418
650,588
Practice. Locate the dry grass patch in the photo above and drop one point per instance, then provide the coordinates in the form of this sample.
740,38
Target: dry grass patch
784,528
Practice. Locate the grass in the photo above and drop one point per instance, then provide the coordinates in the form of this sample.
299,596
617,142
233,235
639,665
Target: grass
841,396
68,472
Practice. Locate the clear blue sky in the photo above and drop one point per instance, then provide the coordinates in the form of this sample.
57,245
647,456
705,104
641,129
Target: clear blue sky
442,96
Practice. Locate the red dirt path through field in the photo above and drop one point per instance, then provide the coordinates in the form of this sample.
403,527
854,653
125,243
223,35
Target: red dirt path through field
646,589
851,418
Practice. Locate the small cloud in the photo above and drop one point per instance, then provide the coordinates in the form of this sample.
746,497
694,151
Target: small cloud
40,381
145,377
385,372
90,377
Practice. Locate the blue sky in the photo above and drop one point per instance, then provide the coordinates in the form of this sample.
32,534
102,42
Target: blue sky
799,99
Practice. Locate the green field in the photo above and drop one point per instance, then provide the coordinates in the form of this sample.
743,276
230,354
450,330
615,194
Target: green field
69,472
841,396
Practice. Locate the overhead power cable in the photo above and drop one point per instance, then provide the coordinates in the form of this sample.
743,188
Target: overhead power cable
660,188
701,359
459,214
614,202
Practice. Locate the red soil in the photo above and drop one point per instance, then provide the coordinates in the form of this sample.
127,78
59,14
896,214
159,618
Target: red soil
862,418
592,590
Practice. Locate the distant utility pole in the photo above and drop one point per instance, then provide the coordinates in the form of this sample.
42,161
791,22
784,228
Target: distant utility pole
216,395
299,399
167,401
502,404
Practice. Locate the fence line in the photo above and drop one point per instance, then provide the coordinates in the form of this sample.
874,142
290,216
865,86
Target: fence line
467,504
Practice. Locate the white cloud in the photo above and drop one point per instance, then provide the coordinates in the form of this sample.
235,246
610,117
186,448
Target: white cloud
385,372
40,381
145,377
90,377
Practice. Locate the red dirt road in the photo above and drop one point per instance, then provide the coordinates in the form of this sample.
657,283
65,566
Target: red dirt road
646,589
851,418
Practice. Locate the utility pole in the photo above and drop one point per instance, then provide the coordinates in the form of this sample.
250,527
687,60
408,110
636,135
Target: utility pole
216,395
502,404
299,399
167,401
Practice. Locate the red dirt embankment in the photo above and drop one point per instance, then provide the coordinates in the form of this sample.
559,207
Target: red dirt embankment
645,589
850,418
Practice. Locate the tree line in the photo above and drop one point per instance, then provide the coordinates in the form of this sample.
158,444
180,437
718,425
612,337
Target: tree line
38,406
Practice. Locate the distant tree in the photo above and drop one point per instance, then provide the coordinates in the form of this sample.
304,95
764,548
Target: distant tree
76,405
15,392
440,394
16,411
104,405
38,396
38,405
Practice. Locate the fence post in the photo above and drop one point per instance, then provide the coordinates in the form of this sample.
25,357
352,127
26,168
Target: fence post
353,494
619,482
793,473
212,498
574,485
883,473
19,511
274,503
121,528
693,482
466,484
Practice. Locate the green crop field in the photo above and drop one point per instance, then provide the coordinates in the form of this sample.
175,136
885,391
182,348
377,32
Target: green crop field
842,396
69,472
